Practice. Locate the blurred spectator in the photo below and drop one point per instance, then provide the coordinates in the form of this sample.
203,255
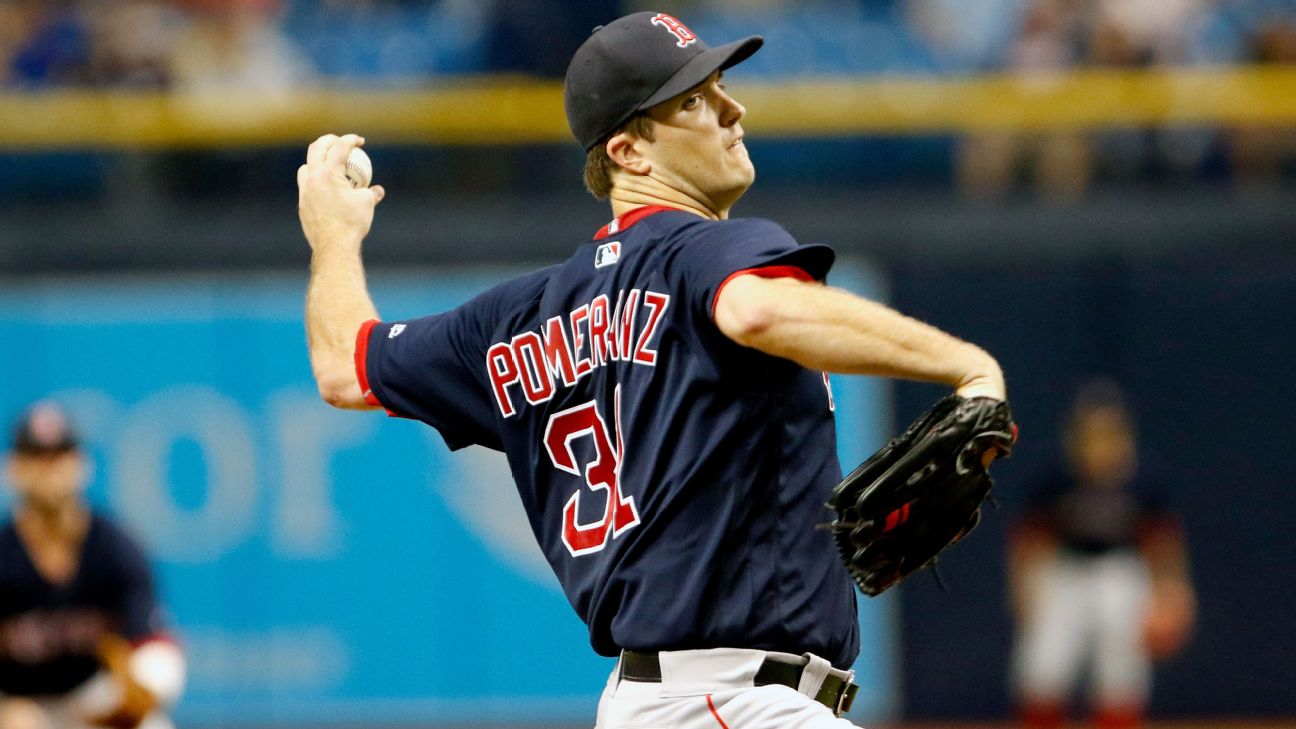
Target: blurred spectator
48,44
15,22
103,43
1057,35
1052,38
1137,34
1144,32
235,44
1099,572
132,42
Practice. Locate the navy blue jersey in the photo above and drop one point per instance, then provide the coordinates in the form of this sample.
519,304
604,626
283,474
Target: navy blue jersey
672,477
1092,519
49,633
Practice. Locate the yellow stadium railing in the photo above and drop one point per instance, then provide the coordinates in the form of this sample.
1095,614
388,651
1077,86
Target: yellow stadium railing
495,110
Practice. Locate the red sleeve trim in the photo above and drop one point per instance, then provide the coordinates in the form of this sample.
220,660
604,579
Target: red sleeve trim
361,361
795,272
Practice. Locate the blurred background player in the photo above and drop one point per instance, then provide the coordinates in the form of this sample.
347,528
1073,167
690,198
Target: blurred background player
1098,571
81,639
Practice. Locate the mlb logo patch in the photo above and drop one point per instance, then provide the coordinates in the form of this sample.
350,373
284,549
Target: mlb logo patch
607,254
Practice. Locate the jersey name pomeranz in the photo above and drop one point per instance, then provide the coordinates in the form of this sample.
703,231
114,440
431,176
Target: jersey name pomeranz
672,477
556,356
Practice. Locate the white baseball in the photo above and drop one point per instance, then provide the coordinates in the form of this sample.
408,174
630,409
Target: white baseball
359,170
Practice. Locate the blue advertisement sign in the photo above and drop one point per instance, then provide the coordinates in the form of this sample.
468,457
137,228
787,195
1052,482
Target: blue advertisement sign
323,566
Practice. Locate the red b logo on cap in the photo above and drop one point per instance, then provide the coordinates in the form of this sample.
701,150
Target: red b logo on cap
677,29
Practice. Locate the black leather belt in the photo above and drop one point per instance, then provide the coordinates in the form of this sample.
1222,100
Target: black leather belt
835,693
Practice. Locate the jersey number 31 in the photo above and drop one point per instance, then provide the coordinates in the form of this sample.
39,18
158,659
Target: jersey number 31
602,473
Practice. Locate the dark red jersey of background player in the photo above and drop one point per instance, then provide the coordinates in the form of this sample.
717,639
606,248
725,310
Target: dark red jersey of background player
49,633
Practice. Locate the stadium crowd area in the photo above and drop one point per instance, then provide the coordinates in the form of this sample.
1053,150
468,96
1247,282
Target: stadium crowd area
264,45
180,43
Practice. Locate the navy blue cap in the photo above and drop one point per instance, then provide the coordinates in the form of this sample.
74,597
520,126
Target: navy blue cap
637,62
44,428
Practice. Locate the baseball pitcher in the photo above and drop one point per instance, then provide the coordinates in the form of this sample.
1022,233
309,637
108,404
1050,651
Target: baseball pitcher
661,396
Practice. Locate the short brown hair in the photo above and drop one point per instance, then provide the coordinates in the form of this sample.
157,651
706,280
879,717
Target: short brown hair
599,166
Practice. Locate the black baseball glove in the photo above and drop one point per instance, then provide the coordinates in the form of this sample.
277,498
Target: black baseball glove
921,492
